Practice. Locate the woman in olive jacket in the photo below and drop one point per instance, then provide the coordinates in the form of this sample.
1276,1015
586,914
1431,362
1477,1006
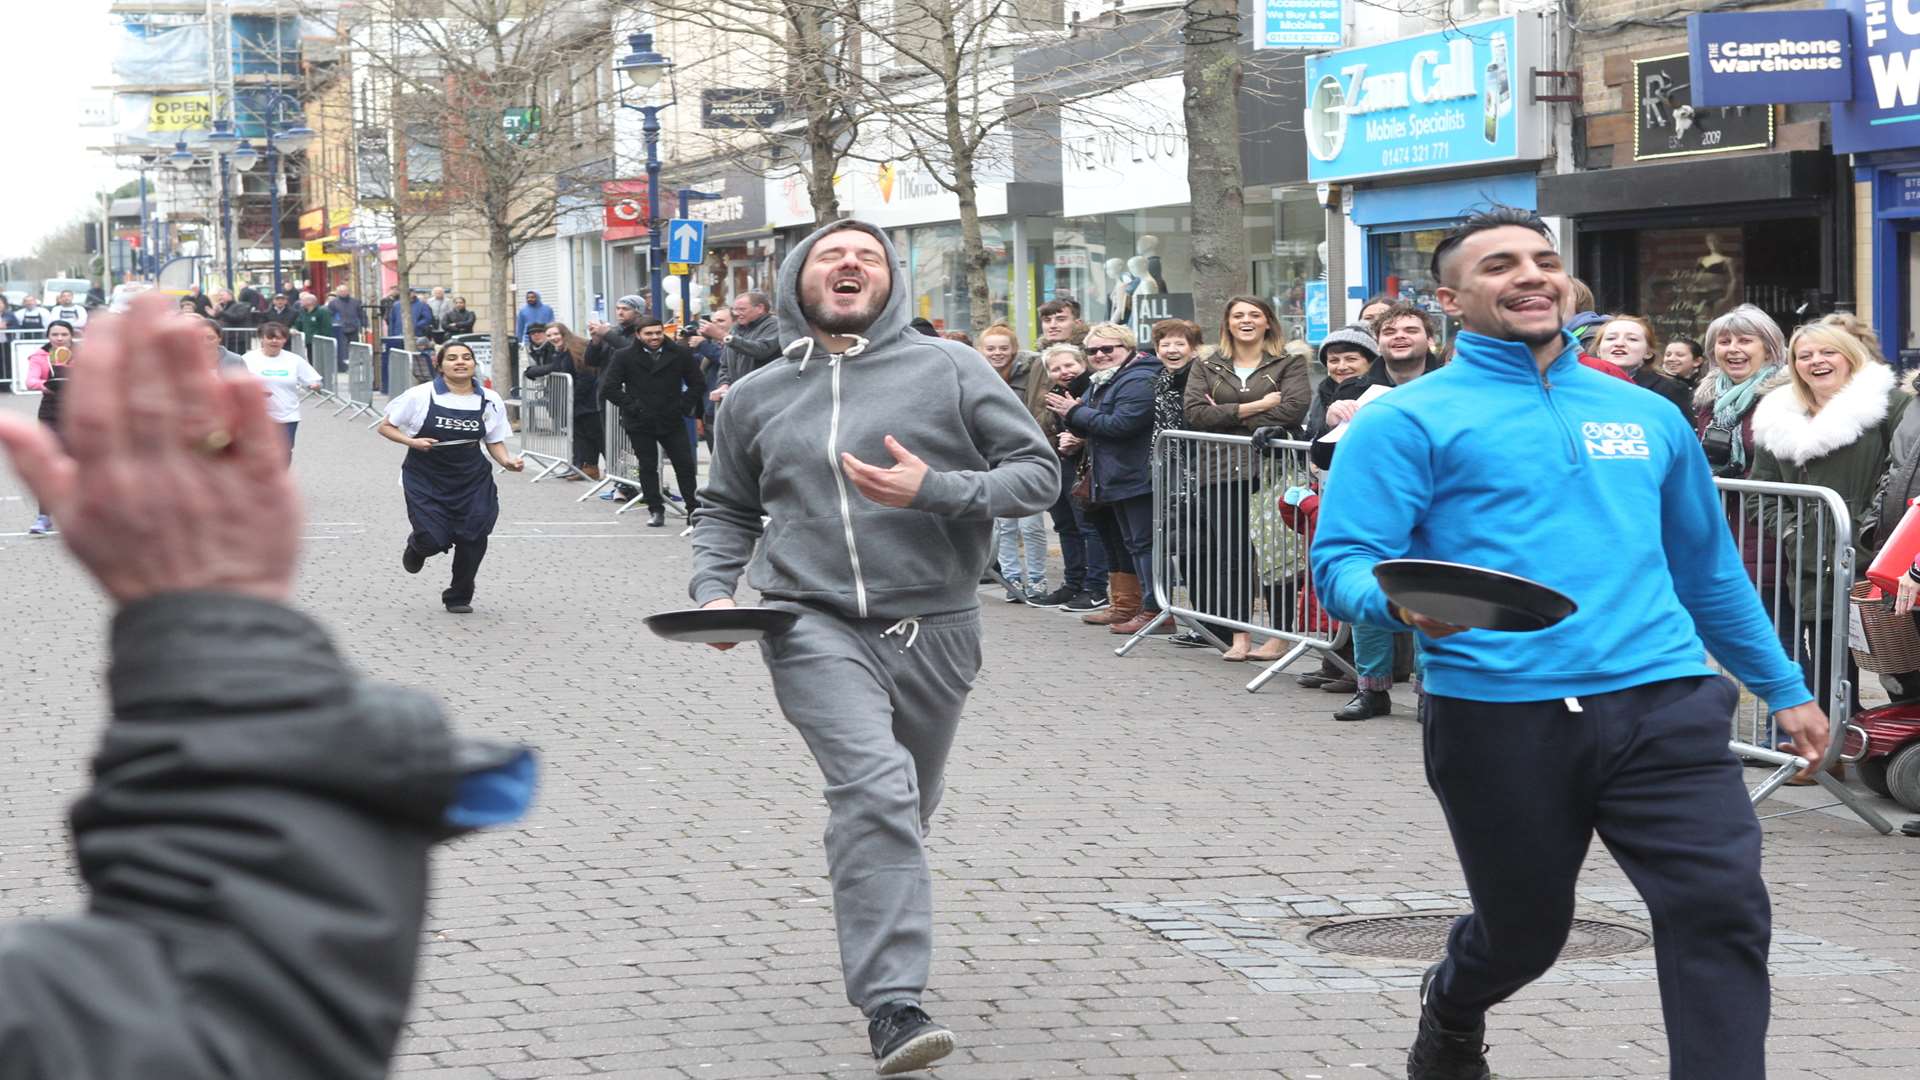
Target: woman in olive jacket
1252,382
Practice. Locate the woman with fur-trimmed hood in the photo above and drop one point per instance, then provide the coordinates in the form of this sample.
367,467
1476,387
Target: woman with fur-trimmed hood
1832,425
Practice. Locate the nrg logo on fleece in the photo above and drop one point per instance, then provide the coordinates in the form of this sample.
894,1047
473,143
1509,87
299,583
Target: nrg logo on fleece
1615,442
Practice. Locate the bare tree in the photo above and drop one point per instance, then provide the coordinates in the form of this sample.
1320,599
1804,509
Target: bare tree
1212,80
502,95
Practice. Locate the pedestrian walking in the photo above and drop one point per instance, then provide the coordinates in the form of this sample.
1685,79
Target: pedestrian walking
259,820
285,374
47,371
656,385
1609,722
882,564
452,502
533,311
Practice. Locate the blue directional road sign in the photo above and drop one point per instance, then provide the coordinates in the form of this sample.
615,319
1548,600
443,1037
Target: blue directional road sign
686,240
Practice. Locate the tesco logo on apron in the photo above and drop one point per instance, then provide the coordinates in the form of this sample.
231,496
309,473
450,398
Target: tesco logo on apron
457,424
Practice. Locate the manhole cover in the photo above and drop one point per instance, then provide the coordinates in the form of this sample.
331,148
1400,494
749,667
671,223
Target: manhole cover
1424,937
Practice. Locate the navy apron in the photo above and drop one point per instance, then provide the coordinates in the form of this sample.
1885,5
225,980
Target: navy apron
450,492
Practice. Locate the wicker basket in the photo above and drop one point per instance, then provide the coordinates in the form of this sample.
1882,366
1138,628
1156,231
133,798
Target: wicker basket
1893,643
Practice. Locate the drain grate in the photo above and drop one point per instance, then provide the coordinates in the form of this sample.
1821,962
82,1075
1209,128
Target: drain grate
1424,938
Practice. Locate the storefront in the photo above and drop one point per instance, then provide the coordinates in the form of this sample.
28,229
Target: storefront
740,245
1453,108
1876,128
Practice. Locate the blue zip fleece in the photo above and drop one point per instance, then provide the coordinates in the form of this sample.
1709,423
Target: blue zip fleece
1578,480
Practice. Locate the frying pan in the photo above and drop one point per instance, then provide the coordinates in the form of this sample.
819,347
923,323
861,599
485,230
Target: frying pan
718,625
1471,596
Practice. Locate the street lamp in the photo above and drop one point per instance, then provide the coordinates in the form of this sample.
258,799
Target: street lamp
223,141
281,141
644,69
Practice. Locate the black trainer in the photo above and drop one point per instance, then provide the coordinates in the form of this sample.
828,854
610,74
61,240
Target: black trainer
1055,598
1086,601
906,1039
1190,639
412,560
456,608
1440,1054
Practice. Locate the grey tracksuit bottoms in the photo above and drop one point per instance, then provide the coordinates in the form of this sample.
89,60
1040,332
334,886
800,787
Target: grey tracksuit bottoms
878,703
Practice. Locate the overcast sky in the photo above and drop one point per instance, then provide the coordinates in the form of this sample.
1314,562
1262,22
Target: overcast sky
52,57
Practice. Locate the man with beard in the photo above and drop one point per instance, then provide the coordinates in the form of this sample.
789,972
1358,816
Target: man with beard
656,385
1405,332
609,341
1608,722
881,564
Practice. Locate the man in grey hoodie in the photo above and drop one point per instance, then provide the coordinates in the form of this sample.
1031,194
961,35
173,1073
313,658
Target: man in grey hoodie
882,565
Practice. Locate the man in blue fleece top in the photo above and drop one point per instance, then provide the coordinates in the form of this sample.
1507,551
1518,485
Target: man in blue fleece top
1516,458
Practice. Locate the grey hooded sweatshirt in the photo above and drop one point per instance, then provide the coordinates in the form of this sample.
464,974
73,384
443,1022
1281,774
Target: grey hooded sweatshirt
777,444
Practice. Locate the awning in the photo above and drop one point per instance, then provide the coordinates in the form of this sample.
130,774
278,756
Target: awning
1709,181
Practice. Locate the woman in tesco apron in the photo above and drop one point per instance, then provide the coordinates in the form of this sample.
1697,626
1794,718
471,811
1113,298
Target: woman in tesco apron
451,500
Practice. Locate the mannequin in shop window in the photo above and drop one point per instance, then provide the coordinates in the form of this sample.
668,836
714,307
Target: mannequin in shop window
1119,291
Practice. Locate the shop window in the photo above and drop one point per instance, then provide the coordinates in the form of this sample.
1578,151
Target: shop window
1682,279
1288,245
936,270
1106,261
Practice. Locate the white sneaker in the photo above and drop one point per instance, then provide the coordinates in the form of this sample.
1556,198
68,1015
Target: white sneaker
41,526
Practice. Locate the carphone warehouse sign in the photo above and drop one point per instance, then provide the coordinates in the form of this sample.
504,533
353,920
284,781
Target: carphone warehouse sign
1768,57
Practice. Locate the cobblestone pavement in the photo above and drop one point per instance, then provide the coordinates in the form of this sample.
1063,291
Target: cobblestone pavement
1130,857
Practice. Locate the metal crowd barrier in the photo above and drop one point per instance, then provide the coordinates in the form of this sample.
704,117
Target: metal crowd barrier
324,355
1225,558
15,347
358,396
239,340
296,342
621,470
546,423
1796,542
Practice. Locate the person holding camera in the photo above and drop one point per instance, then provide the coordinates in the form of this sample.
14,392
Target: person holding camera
1746,351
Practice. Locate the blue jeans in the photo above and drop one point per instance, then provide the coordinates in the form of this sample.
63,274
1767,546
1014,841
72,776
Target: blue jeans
1013,534
1080,548
1373,656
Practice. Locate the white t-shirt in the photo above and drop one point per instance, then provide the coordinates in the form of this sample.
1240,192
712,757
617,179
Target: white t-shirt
73,313
284,375
408,411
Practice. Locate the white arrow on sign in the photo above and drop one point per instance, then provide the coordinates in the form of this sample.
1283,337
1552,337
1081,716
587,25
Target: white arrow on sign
683,238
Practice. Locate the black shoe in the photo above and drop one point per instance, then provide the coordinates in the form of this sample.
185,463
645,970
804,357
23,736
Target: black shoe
1342,684
1054,599
1085,602
1439,1054
1365,705
1190,639
905,1040
1313,680
412,560
460,609
656,518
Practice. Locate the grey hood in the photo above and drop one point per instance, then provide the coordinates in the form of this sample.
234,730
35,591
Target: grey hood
778,437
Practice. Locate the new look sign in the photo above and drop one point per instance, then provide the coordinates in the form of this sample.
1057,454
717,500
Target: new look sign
1455,98
1768,57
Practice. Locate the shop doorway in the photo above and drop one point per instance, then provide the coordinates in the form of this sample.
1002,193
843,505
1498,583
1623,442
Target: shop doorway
1683,277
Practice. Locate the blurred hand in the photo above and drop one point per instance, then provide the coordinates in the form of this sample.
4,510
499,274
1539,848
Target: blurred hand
1806,729
894,486
1433,628
723,602
172,477
422,443
1069,442
1341,411
719,392
1061,404
1903,600
595,327
711,330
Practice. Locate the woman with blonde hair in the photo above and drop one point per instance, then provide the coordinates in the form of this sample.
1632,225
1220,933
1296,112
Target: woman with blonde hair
1830,426
1022,541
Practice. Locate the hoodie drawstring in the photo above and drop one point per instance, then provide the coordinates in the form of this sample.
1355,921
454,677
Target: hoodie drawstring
859,346
908,627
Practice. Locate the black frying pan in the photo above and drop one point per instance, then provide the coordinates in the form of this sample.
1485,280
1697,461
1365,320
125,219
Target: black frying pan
712,626
1471,596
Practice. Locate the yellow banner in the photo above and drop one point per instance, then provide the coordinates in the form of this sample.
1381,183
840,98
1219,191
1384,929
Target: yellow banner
316,252
179,112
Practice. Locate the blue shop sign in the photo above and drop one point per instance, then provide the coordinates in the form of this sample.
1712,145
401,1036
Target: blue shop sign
1885,111
1319,312
1768,57
1437,101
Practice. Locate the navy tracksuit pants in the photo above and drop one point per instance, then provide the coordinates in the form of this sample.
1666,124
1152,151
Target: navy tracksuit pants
1527,785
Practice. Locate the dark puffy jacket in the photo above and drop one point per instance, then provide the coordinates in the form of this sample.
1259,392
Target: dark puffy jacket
1116,419
256,856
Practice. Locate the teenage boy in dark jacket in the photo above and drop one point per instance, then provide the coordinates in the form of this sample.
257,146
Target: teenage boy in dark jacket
656,385
255,847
